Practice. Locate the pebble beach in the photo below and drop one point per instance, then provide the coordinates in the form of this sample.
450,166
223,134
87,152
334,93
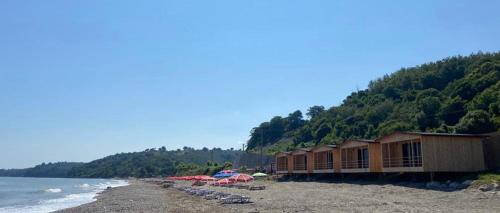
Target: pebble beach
142,196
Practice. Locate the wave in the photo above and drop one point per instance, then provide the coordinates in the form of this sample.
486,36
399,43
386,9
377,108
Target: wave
55,190
85,185
68,201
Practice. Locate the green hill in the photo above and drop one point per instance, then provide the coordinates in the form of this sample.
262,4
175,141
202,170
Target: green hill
148,163
456,94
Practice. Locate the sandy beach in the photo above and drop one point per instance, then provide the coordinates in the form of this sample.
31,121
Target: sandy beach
142,196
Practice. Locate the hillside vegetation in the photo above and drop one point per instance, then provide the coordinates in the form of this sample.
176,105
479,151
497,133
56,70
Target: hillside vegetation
148,163
453,95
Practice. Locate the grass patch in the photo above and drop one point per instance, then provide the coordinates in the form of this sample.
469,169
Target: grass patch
486,178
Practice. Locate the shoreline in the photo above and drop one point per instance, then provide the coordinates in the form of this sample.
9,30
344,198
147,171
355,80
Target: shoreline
51,194
142,196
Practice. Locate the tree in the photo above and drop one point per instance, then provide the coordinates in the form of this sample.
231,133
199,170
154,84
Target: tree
452,110
475,122
315,111
294,121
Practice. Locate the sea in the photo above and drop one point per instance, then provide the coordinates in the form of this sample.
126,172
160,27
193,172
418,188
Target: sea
37,195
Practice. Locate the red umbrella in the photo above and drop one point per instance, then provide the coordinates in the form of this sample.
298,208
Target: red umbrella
197,177
206,178
224,181
241,178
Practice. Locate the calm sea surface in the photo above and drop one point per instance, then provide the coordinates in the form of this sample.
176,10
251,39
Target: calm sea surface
49,194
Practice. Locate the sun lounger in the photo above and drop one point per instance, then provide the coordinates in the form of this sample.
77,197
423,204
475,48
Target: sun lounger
243,186
257,188
234,199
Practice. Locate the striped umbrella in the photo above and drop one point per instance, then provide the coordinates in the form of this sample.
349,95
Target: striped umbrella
224,181
241,178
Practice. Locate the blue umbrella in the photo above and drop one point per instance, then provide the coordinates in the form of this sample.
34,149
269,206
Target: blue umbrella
224,175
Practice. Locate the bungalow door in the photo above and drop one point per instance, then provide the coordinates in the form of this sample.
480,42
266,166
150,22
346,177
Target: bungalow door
406,154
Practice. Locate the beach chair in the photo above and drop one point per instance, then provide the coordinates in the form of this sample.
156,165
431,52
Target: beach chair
235,199
243,187
256,188
210,196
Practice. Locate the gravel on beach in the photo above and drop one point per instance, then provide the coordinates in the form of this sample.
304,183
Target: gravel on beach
295,197
141,196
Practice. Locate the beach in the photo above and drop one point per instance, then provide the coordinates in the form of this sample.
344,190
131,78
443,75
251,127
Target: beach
141,196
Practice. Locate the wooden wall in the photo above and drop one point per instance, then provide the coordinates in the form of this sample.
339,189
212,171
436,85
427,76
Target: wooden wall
452,154
491,149
290,163
375,155
337,160
310,162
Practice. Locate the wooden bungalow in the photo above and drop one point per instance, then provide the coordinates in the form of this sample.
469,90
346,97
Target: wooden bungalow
324,159
282,163
360,155
431,152
302,161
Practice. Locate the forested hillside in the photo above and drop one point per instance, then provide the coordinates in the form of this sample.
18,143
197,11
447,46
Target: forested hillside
457,94
148,163
60,169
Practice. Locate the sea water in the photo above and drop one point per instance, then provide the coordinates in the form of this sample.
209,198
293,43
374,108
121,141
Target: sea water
49,194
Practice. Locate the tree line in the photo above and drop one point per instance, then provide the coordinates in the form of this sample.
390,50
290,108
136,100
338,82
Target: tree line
148,163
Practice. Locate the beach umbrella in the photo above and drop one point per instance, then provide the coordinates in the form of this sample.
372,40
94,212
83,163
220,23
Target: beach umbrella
224,181
260,174
199,177
208,179
241,178
225,174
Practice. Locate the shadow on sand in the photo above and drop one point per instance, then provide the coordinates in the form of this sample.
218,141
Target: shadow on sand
446,182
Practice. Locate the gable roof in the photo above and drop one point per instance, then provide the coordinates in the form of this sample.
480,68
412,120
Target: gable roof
282,153
332,146
300,150
360,140
363,141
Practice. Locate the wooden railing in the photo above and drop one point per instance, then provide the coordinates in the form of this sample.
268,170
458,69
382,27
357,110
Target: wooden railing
299,166
322,166
355,164
403,162
282,168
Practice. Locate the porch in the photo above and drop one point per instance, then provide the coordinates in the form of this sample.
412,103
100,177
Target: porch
355,159
323,162
282,165
300,163
402,156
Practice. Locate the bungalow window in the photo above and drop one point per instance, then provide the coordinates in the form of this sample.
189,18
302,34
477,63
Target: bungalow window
300,162
323,160
282,164
363,158
355,158
412,154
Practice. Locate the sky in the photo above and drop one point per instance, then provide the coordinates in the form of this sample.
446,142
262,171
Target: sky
80,80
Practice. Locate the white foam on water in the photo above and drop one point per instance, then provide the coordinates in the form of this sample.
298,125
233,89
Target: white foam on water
56,190
68,201
85,185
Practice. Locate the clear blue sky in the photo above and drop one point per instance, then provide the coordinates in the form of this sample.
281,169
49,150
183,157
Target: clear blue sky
80,80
